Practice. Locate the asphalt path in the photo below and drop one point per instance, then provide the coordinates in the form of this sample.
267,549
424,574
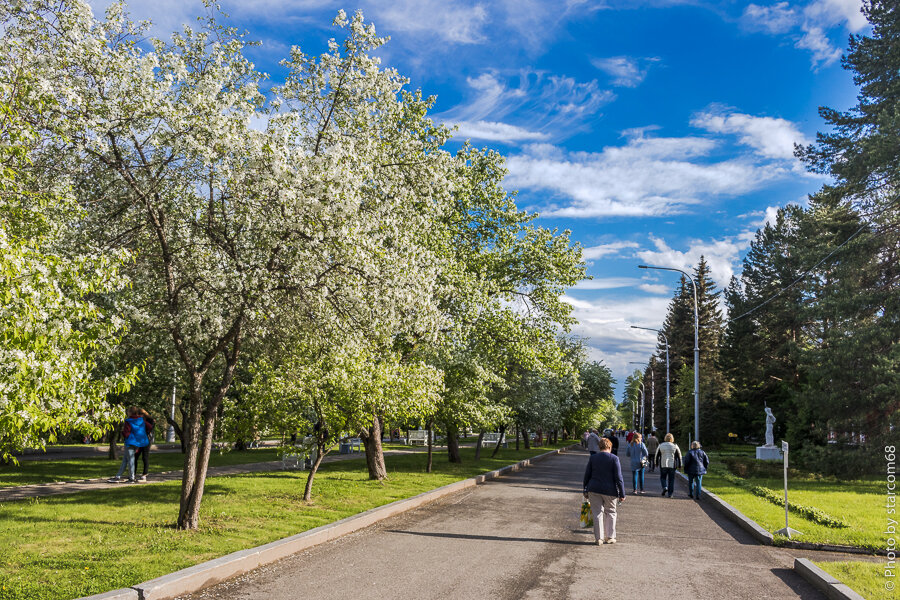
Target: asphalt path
519,537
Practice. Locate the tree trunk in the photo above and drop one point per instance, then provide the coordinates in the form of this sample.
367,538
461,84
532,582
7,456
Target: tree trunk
371,438
177,428
525,439
453,444
199,433
478,445
517,436
499,441
320,455
428,427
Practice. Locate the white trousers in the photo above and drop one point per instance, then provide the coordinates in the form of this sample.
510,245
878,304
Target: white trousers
603,509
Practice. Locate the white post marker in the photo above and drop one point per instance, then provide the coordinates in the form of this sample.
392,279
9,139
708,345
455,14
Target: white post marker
787,531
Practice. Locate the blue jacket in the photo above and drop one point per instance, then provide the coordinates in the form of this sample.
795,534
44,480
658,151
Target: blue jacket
637,452
696,462
135,432
604,475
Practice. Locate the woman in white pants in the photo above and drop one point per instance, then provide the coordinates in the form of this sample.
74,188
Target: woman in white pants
603,486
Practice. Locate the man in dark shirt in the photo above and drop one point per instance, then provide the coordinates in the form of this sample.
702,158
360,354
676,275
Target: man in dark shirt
603,485
614,440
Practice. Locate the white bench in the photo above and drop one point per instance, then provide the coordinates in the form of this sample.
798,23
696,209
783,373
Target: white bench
416,436
491,439
301,456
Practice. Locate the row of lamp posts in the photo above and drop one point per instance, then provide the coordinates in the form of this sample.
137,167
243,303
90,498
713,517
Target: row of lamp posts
696,359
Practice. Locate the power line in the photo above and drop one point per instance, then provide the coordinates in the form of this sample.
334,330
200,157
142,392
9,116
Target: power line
802,275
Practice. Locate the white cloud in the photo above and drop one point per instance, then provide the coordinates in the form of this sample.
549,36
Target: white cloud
815,40
645,177
614,248
625,70
656,288
809,26
607,325
770,137
836,12
545,101
720,255
776,19
497,132
451,21
606,283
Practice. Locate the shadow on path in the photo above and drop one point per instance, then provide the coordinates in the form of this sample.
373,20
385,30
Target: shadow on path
490,538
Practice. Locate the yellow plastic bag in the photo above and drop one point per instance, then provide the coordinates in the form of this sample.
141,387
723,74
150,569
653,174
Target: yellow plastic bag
587,519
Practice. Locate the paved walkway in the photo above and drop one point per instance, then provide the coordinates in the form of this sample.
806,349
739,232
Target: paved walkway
518,537
39,490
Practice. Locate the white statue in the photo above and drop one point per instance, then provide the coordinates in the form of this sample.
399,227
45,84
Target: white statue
770,421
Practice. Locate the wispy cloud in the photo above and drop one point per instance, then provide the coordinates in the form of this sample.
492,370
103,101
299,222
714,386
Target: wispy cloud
607,283
808,25
626,71
448,20
497,132
770,137
611,249
542,99
645,177
775,19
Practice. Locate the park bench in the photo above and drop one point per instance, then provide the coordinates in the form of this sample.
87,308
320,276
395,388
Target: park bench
416,436
491,438
300,456
351,445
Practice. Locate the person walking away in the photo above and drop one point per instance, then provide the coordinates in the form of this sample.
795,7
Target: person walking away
603,485
652,445
695,465
134,430
639,455
144,451
614,441
593,442
628,436
668,457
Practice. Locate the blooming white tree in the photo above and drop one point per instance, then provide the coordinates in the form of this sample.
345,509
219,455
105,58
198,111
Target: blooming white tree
54,327
325,216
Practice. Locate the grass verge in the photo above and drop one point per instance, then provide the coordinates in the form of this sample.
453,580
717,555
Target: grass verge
75,545
858,503
50,471
865,578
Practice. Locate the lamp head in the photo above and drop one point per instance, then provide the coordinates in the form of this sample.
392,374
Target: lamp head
643,267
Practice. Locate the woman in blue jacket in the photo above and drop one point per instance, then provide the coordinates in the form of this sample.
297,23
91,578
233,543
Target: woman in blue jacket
695,464
134,430
639,455
603,485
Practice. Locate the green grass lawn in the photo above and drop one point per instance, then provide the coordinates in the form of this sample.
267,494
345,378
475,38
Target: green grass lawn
64,547
49,471
865,578
859,503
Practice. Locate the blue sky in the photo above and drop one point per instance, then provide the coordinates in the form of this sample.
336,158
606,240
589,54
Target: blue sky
656,130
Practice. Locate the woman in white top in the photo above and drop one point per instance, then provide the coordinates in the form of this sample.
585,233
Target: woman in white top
668,457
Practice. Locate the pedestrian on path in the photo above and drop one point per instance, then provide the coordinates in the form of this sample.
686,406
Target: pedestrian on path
593,442
668,457
695,464
614,441
639,455
144,451
652,445
134,430
603,485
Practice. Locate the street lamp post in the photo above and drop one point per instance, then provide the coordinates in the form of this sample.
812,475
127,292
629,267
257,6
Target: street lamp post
696,346
666,340
642,395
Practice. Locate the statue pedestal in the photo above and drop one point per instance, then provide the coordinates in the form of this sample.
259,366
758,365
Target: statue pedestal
768,453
